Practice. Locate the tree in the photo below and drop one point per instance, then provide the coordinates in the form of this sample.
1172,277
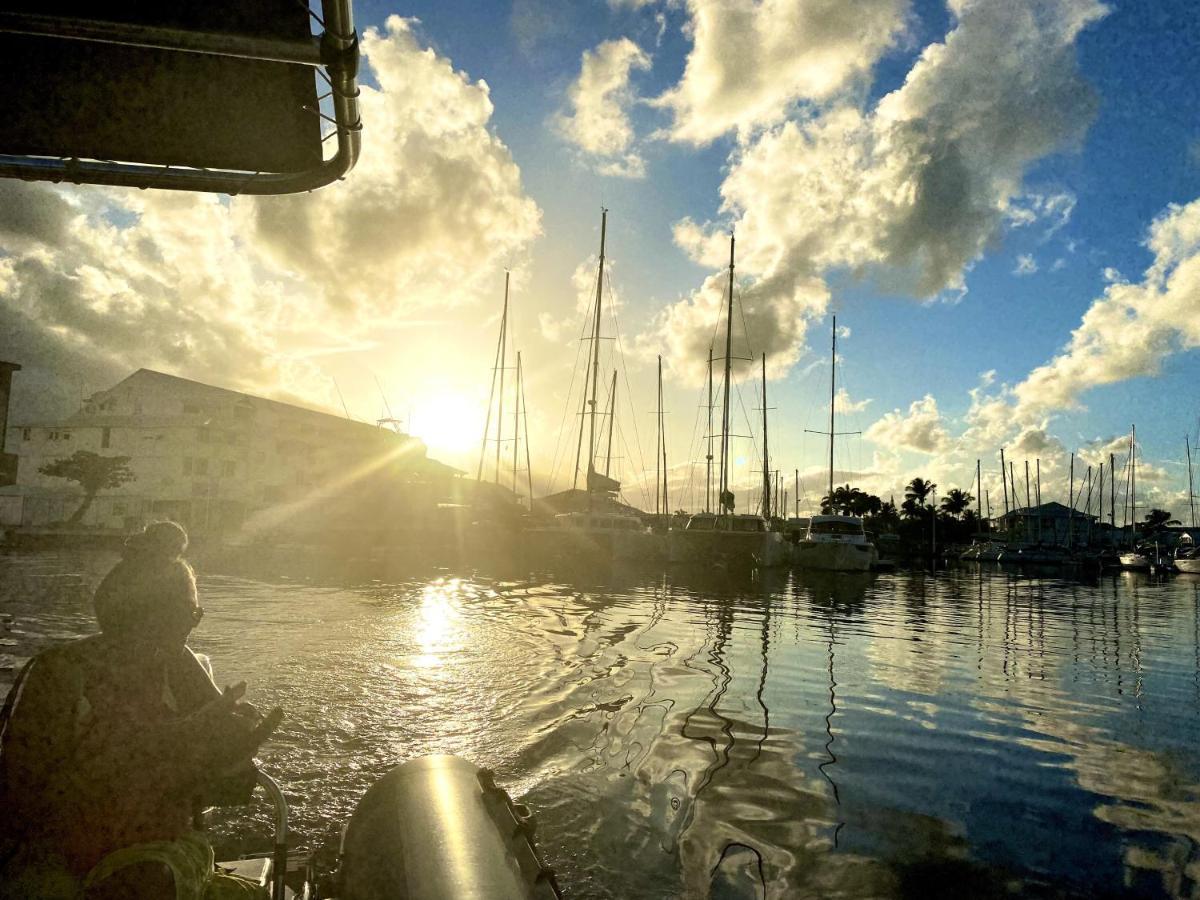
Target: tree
1156,519
918,490
956,502
92,472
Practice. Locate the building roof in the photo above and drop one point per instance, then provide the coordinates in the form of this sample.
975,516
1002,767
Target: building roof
1051,510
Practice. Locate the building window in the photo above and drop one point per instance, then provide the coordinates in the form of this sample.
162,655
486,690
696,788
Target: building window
229,468
66,435
201,467
53,435
187,465
26,434
105,437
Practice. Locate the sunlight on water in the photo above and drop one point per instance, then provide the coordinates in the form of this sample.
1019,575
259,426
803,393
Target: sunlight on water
970,734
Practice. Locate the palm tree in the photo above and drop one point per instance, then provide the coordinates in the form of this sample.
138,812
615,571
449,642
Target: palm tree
956,502
1156,519
918,490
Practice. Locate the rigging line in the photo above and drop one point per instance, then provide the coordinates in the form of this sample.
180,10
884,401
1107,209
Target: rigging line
619,349
693,446
641,482
554,460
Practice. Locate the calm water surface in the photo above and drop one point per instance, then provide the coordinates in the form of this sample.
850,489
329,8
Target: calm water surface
969,734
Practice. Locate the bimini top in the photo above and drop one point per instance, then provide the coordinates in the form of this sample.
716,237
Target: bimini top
836,525
713,522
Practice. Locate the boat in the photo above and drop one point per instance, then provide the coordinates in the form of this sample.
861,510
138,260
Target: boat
724,538
1137,556
834,542
433,828
606,530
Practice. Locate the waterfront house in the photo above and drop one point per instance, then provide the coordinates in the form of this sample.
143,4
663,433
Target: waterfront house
218,461
1051,523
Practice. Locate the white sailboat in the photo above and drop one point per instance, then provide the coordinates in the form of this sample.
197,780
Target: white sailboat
1134,557
726,538
606,529
834,542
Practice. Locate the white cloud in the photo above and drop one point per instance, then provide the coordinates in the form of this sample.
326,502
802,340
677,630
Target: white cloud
921,428
752,60
1026,265
597,119
1053,210
1131,328
241,291
911,192
843,403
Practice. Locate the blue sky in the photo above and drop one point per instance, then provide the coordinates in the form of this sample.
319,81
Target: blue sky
1047,140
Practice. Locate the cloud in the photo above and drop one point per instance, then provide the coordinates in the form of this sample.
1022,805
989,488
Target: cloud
598,101
1131,328
921,428
237,290
1026,265
910,193
842,402
752,60
1054,210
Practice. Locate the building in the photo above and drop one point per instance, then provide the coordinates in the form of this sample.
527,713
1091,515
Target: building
1050,523
8,461
219,461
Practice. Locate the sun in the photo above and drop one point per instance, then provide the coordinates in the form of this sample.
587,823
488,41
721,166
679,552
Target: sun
448,421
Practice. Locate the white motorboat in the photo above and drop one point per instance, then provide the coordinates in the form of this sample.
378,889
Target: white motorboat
837,543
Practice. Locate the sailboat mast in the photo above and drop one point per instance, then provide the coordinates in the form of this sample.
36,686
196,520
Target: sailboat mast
1191,495
1038,499
525,422
612,420
516,422
766,504
487,421
725,404
662,427
708,460
596,352
832,396
978,495
500,396
1071,514
1112,491
1132,483
1004,480
658,437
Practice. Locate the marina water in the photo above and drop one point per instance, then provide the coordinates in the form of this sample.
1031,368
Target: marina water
971,733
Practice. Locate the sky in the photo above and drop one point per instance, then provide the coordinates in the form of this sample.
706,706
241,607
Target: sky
999,200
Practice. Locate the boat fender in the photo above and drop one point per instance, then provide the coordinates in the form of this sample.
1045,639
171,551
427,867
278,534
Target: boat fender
438,827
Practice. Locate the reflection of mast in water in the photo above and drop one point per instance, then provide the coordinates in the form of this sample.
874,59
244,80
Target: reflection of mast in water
762,679
837,799
721,680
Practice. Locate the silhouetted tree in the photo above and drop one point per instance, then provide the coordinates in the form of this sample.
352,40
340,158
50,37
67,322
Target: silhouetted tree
956,502
918,490
92,472
1156,519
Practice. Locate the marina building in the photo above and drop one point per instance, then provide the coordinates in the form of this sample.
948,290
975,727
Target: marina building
219,462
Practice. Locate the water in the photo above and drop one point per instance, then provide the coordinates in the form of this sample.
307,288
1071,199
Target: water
971,734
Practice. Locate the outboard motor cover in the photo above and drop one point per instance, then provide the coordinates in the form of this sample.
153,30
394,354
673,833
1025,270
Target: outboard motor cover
437,828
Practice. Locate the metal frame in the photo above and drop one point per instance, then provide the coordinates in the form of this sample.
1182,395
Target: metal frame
279,854
335,51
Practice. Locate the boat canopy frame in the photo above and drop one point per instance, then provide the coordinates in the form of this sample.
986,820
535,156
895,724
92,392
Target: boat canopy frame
334,54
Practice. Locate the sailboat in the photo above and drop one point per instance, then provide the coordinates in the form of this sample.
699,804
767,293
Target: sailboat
1135,557
726,538
1187,557
834,542
605,529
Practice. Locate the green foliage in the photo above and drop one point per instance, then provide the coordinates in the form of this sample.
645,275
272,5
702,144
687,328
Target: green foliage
92,472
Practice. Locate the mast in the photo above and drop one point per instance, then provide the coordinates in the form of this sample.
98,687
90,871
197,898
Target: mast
796,494
1071,514
596,354
978,496
1038,496
832,394
612,418
1004,479
766,501
1100,497
516,422
708,459
1191,495
666,506
1132,484
487,422
525,421
1028,505
1112,491
721,497
500,397
659,475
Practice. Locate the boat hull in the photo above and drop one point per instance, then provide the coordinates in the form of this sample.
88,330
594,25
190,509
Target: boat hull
731,549
583,544
1190,566
1134,561
836,556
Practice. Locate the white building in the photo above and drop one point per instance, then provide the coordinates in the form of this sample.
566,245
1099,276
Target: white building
213,460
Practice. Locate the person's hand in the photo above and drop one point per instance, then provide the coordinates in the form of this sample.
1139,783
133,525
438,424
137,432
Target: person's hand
230,730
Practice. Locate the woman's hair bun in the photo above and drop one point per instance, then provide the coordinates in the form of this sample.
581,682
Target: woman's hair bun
159,542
